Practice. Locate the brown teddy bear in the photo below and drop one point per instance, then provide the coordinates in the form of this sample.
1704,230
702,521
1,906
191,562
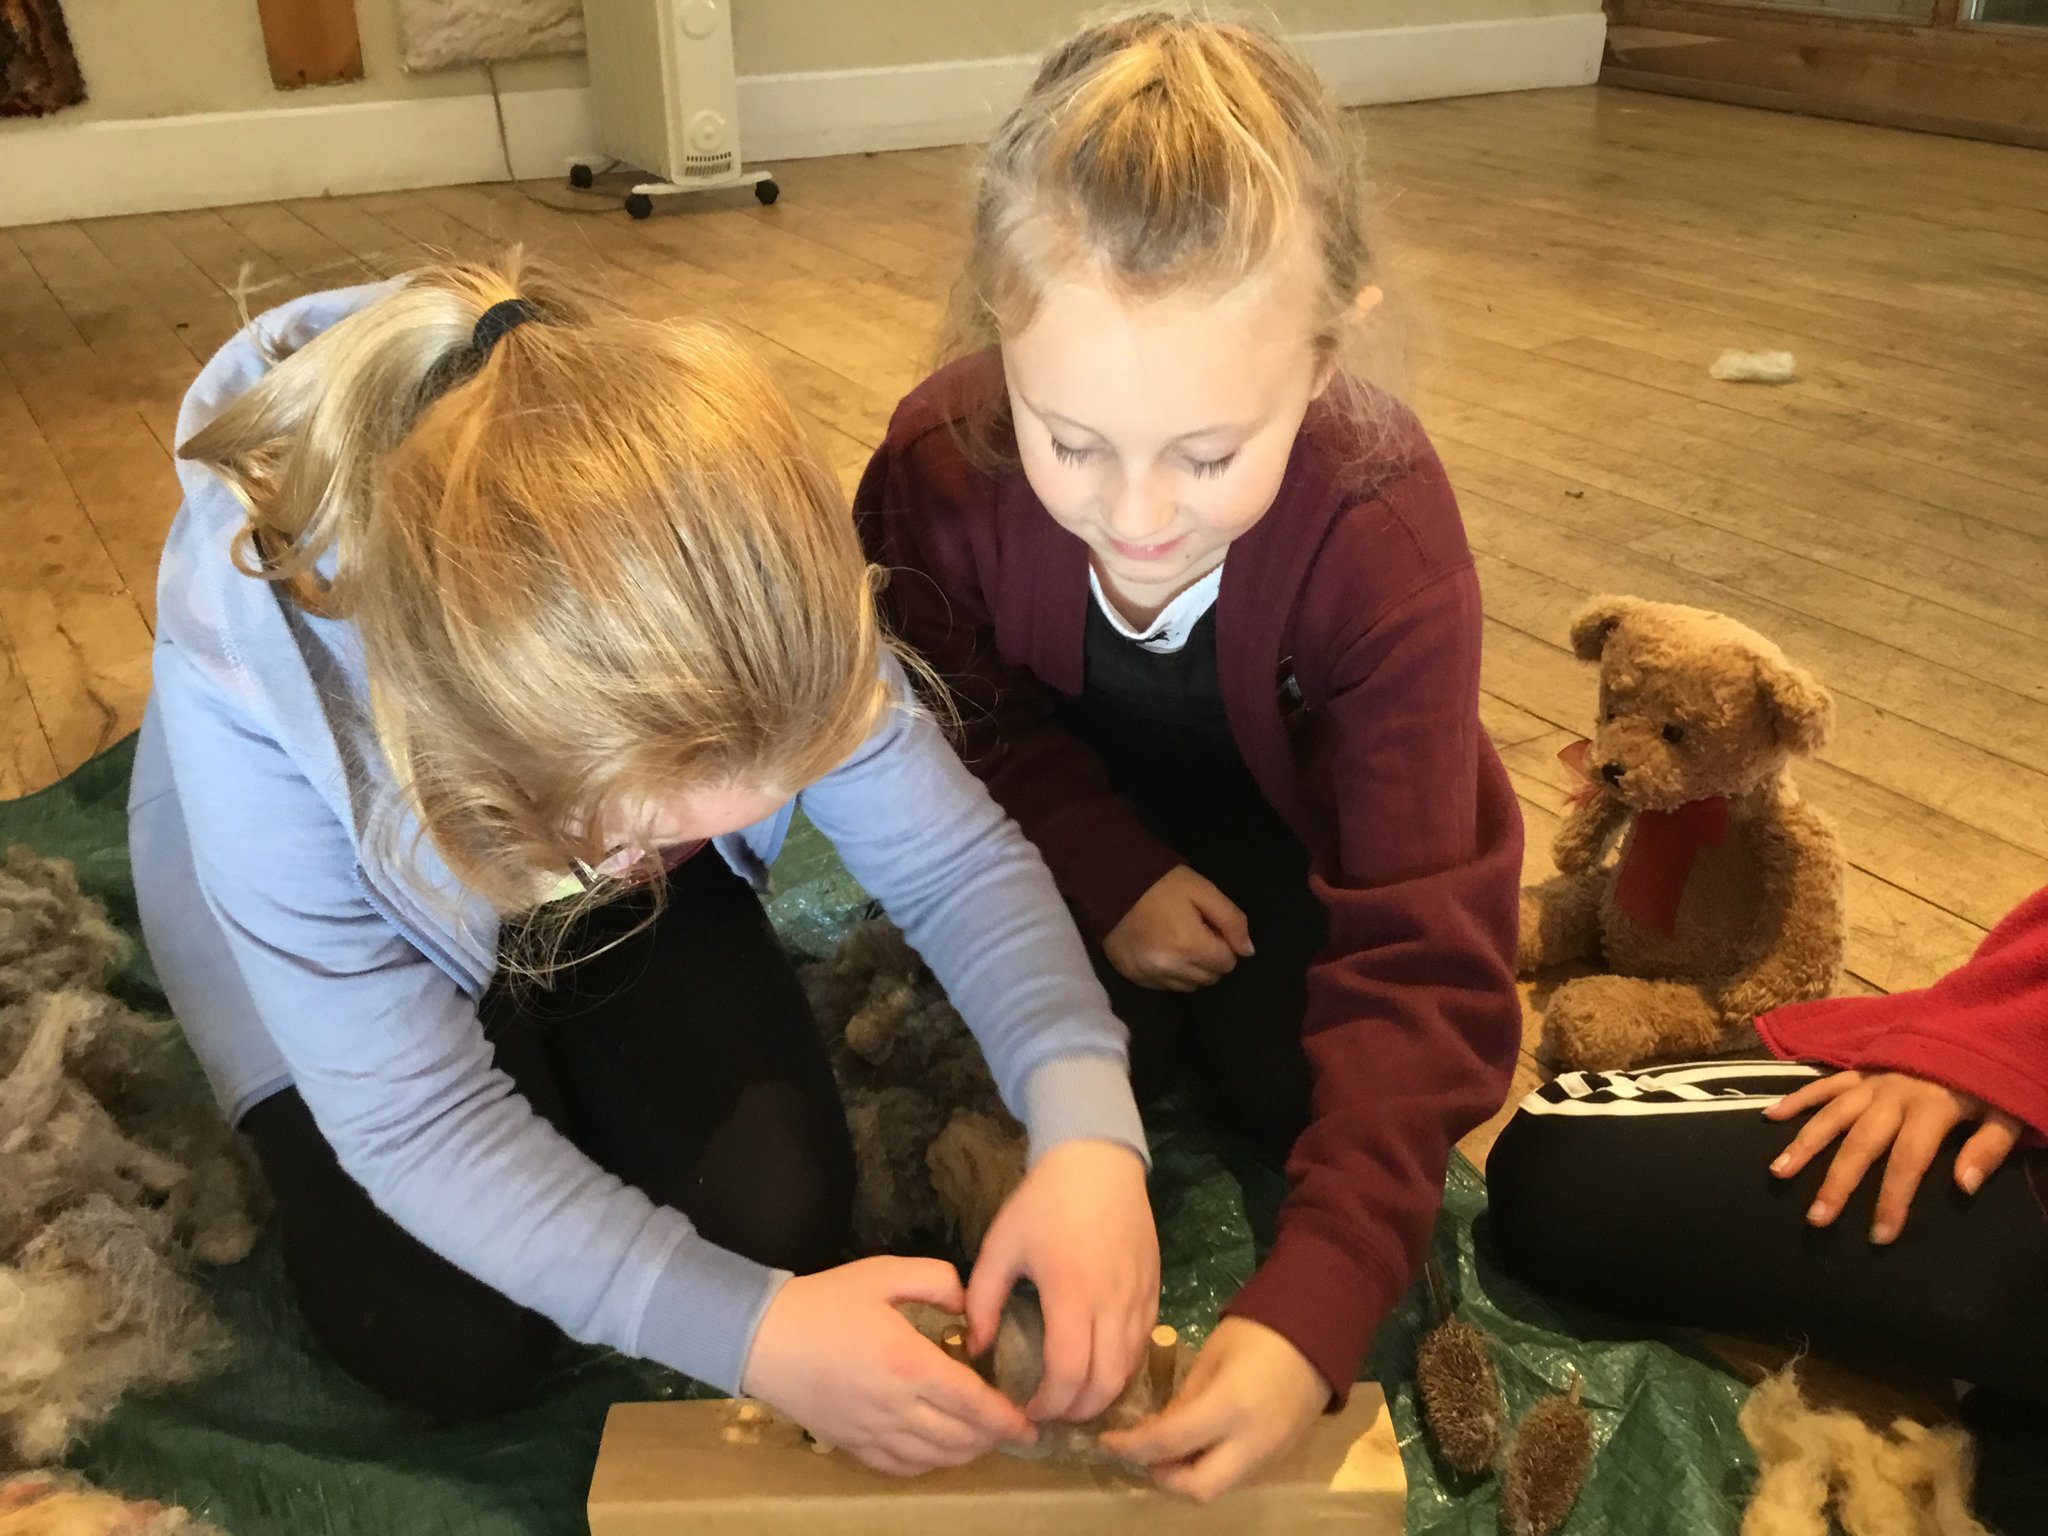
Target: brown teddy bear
1725,899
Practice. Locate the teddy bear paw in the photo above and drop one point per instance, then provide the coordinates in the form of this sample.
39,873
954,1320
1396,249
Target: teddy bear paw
1559,921
1609,1023
1599,1024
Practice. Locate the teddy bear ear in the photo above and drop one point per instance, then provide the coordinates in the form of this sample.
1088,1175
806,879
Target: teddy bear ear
1801,711
1596,621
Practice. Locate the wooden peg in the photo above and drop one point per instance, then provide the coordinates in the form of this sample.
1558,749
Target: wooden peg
1162,1360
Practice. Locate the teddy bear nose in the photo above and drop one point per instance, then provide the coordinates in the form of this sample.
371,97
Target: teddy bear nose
1612,772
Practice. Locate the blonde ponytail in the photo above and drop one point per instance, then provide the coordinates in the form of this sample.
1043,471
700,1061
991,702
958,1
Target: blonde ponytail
302,446
598,565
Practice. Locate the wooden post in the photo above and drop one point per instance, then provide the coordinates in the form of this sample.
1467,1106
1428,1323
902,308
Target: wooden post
1162,1359
310,42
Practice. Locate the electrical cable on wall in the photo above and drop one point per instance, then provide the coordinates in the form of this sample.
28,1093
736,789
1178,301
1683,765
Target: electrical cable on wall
603,205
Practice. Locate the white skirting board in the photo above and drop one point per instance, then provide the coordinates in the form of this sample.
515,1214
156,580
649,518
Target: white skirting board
58,170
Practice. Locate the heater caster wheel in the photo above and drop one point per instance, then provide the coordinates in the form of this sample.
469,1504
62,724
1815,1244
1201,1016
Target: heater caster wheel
765,192
640,205
581,176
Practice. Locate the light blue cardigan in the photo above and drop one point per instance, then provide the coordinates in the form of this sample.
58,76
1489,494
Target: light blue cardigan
298,946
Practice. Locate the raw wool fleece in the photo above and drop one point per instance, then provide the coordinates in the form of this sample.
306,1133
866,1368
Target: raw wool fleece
115,1179
1911,1481
1015,1364
56,1504
439,33
1733,367
1760,920
935,1152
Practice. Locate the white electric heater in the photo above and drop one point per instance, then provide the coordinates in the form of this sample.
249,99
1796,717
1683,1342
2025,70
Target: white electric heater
661,81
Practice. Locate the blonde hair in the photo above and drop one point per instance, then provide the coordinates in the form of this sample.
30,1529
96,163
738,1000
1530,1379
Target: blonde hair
1164,150
595,562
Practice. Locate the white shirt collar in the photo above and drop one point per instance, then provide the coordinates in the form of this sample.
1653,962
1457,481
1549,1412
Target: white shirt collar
1177,620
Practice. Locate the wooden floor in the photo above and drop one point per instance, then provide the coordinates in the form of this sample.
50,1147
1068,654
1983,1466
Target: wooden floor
1585,255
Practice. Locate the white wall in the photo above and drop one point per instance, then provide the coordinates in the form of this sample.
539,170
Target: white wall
164,58
181,112
781,36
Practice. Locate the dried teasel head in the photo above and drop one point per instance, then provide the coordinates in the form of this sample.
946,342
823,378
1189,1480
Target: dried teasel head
1460,1395
1546,1465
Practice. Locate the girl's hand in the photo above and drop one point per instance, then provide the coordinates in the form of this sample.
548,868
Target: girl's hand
1909,1115
1183,934
1249,1396
1080,1225
835,1355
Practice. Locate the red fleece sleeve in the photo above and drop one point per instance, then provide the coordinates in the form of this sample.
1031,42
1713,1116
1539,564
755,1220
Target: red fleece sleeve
1413,1022
928,519
1981,1030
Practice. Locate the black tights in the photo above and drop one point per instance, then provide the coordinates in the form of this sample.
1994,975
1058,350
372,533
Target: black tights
683,1059
1648,1195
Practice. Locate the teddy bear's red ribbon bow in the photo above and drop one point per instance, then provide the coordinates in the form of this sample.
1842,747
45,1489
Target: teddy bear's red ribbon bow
1649,887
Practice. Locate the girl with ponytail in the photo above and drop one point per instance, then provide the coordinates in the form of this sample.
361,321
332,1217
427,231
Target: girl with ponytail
501,634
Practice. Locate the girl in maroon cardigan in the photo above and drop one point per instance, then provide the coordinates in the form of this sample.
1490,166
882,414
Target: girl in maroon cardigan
1205,605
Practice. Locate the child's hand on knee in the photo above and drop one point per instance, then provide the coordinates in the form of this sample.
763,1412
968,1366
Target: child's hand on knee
1249,1396
835,1354
1183,933
1080,1225
1896,1116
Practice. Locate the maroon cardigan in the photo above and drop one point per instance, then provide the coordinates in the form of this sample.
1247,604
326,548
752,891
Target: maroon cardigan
1347,636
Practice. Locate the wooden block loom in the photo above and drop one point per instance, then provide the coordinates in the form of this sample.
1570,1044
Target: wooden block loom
733,1468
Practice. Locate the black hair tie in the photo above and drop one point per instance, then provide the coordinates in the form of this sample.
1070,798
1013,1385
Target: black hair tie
494,322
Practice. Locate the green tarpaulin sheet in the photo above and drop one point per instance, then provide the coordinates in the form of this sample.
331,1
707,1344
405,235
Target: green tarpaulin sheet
283,1444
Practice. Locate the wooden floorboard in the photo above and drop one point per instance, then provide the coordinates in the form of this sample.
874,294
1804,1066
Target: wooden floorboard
131,342
301,251
184,298
78,647
25,760
85,415
1579,258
